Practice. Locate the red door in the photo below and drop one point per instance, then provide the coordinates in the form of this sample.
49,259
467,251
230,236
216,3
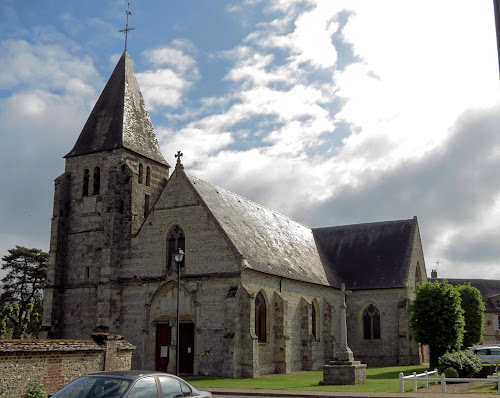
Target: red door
186,348
163,340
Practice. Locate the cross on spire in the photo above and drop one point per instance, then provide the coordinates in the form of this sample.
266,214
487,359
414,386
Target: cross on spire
178,156
127,29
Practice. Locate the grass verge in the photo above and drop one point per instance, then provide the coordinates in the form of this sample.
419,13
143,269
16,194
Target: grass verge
378,379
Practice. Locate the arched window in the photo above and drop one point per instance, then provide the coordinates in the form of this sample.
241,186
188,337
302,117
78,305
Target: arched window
97,181
148,176
315,326
139,179
175,241
371,323
260,318
85,187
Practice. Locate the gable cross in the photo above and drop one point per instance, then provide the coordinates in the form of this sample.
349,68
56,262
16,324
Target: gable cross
178,156
127,29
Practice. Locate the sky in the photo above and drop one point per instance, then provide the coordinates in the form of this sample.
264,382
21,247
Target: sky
329,112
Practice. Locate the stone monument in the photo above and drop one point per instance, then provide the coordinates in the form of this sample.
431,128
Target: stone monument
343,369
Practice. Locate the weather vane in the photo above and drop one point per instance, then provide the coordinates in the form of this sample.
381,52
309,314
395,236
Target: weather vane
126,30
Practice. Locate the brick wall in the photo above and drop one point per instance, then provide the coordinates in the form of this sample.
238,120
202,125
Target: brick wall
54,363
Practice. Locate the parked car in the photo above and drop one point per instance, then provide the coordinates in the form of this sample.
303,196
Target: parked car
129,384
488,353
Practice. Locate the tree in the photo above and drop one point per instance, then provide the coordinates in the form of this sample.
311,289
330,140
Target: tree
473,306
437,318
21,298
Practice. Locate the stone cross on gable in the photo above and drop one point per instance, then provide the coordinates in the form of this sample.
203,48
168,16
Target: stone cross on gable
178,156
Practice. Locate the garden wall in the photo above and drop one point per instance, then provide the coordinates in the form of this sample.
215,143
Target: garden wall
54,363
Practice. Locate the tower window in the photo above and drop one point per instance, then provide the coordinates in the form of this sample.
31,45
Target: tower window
148,176
139,179
260,318
85,187
97,181
371,323
146,205
175,241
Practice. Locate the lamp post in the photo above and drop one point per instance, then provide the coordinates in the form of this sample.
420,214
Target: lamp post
179,255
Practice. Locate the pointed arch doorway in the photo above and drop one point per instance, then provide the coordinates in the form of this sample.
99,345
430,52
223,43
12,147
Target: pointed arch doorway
163,321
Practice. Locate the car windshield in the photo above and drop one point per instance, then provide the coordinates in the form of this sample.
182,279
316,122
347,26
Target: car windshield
94,387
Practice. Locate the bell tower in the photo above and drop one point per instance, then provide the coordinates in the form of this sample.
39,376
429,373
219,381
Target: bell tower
113,175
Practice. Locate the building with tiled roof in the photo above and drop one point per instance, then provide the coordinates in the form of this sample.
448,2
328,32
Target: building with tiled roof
256,293
490,291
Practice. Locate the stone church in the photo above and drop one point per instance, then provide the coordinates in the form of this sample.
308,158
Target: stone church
259,293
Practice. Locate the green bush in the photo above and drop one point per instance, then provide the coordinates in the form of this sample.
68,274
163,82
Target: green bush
451,373
465,362
3,394
37,392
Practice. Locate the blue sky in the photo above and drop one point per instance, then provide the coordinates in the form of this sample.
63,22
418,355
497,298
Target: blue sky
330,112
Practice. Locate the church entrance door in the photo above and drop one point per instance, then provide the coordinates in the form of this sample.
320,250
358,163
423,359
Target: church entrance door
163,341
186,348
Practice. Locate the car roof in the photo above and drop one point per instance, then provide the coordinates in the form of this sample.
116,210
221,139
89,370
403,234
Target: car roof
129,374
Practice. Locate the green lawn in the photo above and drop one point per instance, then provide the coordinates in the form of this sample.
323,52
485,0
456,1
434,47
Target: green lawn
378,379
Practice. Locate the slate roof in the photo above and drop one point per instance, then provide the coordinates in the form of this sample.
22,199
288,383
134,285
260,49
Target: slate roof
368,256
270,242
119,118
487,287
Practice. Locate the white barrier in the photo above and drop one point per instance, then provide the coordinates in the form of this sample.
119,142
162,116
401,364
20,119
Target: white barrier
443,380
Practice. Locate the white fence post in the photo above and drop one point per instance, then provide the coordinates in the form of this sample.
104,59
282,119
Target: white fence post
426,379
443,383
437,374
401,382
414,381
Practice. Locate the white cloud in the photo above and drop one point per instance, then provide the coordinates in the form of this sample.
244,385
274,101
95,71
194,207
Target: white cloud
162,87
166,87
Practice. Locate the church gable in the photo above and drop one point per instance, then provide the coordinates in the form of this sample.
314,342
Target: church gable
179,212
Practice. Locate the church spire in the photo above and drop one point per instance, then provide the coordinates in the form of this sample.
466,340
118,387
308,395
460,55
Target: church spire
119,119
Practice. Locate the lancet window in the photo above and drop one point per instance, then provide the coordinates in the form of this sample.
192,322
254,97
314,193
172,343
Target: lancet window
260,318
148,176
371,323
141,172
97,181
175,240
85,186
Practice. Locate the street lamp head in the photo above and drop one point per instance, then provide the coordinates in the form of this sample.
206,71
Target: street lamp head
179,255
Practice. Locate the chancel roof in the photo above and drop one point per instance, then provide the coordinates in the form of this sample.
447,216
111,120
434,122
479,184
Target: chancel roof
270,242
368,256
119,118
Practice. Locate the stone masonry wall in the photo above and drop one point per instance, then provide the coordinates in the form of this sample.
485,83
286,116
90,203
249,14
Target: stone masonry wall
54,363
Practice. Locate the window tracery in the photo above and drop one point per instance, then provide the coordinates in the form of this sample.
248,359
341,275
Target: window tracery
371,323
